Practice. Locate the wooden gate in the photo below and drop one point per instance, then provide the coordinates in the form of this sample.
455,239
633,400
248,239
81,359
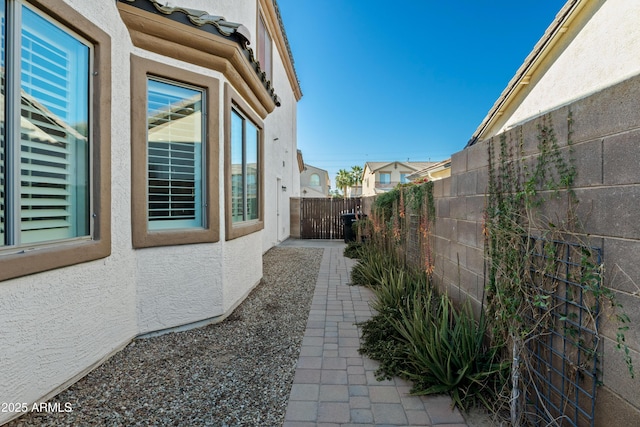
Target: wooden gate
322,218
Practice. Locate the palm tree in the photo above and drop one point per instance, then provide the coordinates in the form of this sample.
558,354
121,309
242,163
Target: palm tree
344,180
356,173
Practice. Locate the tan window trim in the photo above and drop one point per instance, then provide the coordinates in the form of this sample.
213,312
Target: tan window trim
48,257
235,230
141,68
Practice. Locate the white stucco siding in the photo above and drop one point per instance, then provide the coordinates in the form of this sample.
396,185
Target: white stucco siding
178,285
603,51
56,325
281,165
242,268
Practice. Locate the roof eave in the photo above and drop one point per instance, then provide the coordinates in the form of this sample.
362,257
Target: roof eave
522,76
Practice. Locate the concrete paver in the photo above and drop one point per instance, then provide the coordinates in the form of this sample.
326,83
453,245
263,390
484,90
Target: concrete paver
334,385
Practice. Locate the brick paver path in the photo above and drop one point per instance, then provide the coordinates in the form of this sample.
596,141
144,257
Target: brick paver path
334,385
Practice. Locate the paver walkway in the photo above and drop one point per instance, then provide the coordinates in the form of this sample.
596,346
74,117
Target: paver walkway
334,385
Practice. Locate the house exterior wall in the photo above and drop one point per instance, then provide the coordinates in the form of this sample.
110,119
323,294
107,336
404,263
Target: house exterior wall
593,54
606,153
59,324
308,190
371,179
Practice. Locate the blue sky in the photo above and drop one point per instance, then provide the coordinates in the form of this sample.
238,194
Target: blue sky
406,79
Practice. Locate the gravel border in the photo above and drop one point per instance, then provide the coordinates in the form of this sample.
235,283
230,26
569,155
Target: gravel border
237,372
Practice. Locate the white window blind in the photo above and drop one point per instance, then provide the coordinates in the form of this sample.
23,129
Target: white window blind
175,135
49,189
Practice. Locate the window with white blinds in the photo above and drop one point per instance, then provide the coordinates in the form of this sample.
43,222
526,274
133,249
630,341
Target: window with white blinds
174,155
45,166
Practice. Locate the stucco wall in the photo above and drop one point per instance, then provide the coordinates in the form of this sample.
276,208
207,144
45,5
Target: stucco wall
595,53
371,181
606,154
57,325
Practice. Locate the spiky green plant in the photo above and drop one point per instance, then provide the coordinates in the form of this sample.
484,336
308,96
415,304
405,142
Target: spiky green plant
446,352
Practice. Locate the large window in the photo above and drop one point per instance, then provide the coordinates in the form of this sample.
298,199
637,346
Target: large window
174,155
243,167
46,163
48,149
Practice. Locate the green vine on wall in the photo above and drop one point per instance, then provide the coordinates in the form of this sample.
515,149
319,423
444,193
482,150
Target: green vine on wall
531,199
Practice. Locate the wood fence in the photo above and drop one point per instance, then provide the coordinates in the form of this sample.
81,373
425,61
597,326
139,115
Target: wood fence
322,218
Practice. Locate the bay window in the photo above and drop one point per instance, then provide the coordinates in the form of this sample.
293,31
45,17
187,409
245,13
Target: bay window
174,155
46,152
51,162
243,167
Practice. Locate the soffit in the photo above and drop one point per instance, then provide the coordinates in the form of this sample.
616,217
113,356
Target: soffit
541,51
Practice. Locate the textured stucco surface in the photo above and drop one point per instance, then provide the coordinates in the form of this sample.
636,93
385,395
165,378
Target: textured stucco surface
597,55
57,325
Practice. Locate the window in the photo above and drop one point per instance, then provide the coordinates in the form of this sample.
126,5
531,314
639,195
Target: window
174,155
264,48
243,167
50,148
314,181
385,178
174,116
403,178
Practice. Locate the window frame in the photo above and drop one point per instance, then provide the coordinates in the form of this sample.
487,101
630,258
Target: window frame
314,180
234,230
142,236
261,46
17,261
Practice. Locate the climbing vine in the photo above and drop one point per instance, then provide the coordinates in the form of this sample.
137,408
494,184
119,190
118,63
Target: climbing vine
544,281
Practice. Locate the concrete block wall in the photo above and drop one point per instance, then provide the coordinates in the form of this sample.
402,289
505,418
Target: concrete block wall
605,150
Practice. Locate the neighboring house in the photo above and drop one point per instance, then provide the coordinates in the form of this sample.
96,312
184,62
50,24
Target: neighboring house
380,177
434,172
314,182
583,80
149,159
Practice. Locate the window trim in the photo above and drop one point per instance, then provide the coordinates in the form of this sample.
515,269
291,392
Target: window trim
239,229
45,256
153,32
142,237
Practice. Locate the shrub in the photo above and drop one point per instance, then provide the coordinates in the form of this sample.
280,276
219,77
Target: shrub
373,265
446,352
352,250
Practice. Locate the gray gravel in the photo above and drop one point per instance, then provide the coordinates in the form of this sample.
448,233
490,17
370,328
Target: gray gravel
234,373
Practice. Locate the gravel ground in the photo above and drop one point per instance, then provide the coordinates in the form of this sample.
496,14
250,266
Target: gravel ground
236,373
